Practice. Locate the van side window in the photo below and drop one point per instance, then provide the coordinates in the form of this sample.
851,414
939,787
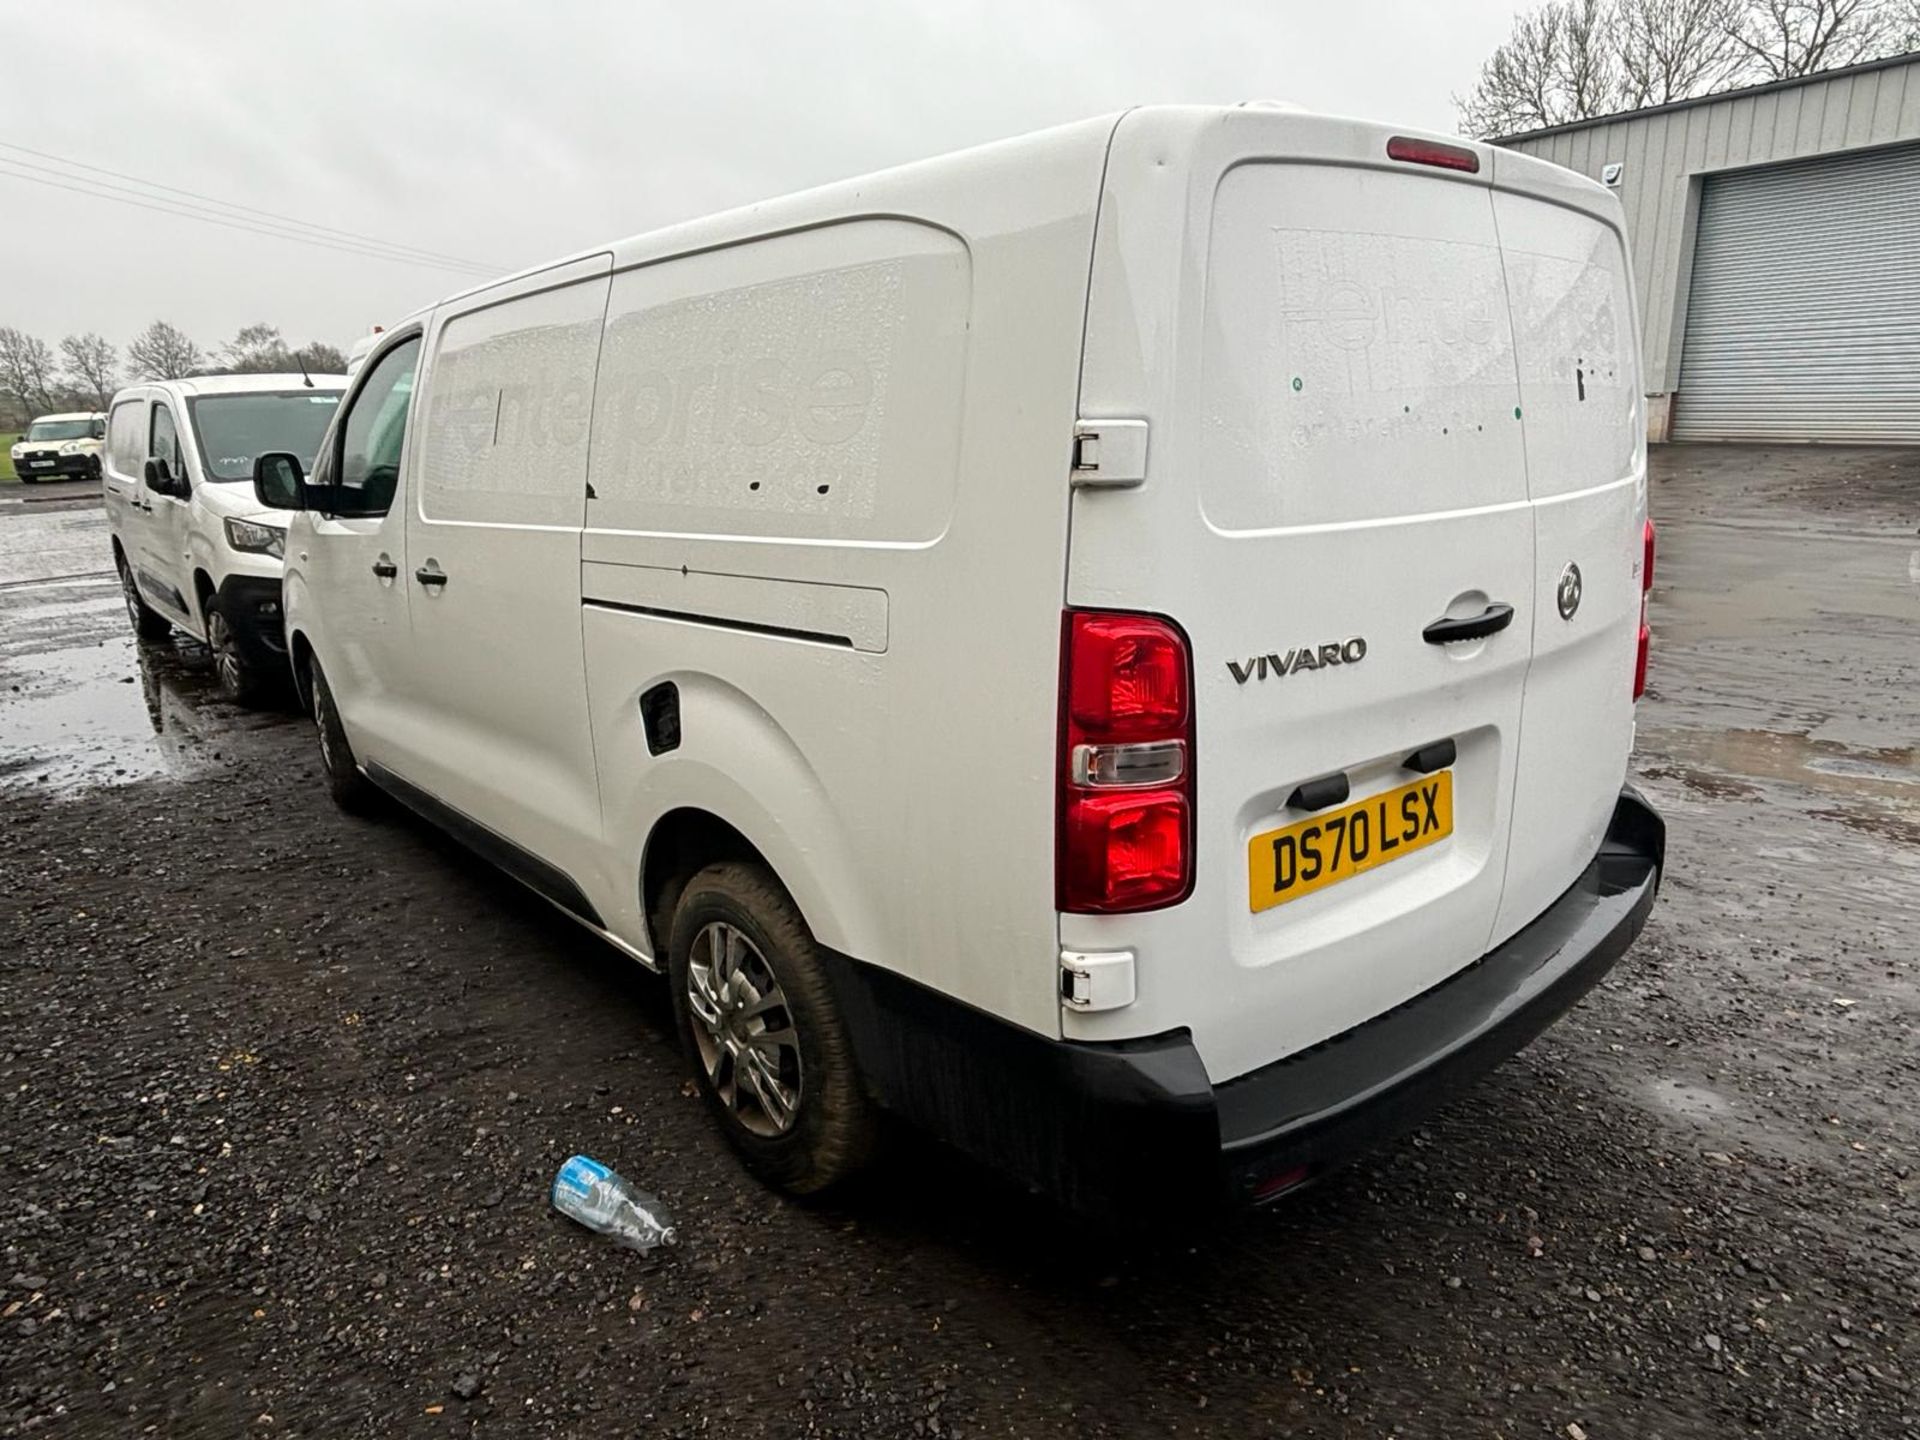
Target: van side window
372,436
163,442
125,437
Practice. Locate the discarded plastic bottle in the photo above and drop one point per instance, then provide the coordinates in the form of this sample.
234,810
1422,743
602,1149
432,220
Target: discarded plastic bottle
587,1191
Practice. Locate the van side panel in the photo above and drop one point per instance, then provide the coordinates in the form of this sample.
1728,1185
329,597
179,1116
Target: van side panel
833,462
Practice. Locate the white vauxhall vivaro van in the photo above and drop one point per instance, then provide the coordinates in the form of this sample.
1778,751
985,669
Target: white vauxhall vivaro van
1119,646
193,547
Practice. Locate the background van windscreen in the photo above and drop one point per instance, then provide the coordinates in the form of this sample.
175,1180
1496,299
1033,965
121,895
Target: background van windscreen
233,429
60,430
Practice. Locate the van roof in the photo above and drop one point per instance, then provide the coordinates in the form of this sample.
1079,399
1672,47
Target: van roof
902,185
68,415
248,384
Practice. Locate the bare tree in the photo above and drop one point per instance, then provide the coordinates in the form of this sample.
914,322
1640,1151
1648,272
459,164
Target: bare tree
1675,49
320,358
256,350
1784,39
1905,28
1574,59
1557,65
161,352
26,369
1590,68
1516,89
92,365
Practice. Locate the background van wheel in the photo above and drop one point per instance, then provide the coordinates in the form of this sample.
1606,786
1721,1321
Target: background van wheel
148,624
757,1022
352,791
241,679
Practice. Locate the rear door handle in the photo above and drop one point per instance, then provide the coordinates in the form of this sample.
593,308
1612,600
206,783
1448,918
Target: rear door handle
434,578
1490,621
385,568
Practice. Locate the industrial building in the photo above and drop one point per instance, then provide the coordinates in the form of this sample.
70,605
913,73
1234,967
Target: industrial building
1775,237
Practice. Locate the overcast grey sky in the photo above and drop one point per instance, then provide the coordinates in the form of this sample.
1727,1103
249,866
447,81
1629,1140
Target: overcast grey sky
509,133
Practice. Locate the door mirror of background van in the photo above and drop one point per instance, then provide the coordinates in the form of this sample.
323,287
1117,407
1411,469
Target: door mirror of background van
278,482
160,479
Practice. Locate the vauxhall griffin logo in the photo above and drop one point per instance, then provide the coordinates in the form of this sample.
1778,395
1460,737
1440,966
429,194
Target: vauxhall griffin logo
1567,598
1305,657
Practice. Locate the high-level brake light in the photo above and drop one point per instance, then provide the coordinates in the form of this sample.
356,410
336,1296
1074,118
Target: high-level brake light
1434,152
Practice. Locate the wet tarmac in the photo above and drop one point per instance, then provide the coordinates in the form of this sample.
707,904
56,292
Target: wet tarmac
80,703
281,1091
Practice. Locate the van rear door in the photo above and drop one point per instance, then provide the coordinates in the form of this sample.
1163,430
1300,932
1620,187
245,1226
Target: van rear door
1577,349
1336,483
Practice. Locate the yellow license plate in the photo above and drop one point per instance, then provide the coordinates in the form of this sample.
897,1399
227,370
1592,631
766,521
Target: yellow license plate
1283,865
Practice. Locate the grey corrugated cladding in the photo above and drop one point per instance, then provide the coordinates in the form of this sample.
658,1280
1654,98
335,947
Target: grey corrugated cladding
1667,152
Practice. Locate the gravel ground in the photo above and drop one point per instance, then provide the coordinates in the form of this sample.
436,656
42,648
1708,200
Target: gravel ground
283,1093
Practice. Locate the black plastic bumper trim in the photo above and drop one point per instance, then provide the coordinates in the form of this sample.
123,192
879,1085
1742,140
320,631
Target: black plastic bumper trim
1136,1126
1383,1076
241,599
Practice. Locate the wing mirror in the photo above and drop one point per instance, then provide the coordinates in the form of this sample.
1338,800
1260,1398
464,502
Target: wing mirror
162,481
278,482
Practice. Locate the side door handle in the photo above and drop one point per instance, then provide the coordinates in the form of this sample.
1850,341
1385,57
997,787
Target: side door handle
433,578
385,568
1490,621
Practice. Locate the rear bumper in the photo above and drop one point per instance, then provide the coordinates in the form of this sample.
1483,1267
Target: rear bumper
1137,1126
1378,1079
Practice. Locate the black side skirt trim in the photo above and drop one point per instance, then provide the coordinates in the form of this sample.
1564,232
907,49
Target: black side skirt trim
548,881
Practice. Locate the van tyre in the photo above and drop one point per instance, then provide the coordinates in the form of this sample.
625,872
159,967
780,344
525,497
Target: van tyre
352,791
148,624
759,1026
241,680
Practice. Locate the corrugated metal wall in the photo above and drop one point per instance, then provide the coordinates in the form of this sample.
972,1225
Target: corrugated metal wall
1667,155
1804,316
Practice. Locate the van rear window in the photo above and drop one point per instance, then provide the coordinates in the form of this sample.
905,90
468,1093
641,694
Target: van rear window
1359,356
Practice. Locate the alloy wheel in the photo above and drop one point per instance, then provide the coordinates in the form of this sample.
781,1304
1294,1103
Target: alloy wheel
744,1030
227,661
323,725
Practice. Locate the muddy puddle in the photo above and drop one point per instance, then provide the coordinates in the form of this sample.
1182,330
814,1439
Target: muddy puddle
1724,763
87,706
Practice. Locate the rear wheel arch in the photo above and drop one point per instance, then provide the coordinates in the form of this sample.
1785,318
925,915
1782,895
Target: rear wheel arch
682,843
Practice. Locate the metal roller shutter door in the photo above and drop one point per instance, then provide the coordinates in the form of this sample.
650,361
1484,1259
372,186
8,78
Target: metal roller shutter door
1804,317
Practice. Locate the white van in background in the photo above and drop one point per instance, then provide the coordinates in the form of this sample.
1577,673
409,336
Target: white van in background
60,447
1119,646
192,546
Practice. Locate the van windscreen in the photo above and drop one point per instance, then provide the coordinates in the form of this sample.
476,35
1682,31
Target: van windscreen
50,430
233,429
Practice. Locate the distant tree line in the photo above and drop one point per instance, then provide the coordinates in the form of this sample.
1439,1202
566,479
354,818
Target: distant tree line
1572,60
87,369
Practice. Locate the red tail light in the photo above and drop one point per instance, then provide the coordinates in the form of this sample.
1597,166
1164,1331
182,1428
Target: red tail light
1433,152
1646,632
1124,837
